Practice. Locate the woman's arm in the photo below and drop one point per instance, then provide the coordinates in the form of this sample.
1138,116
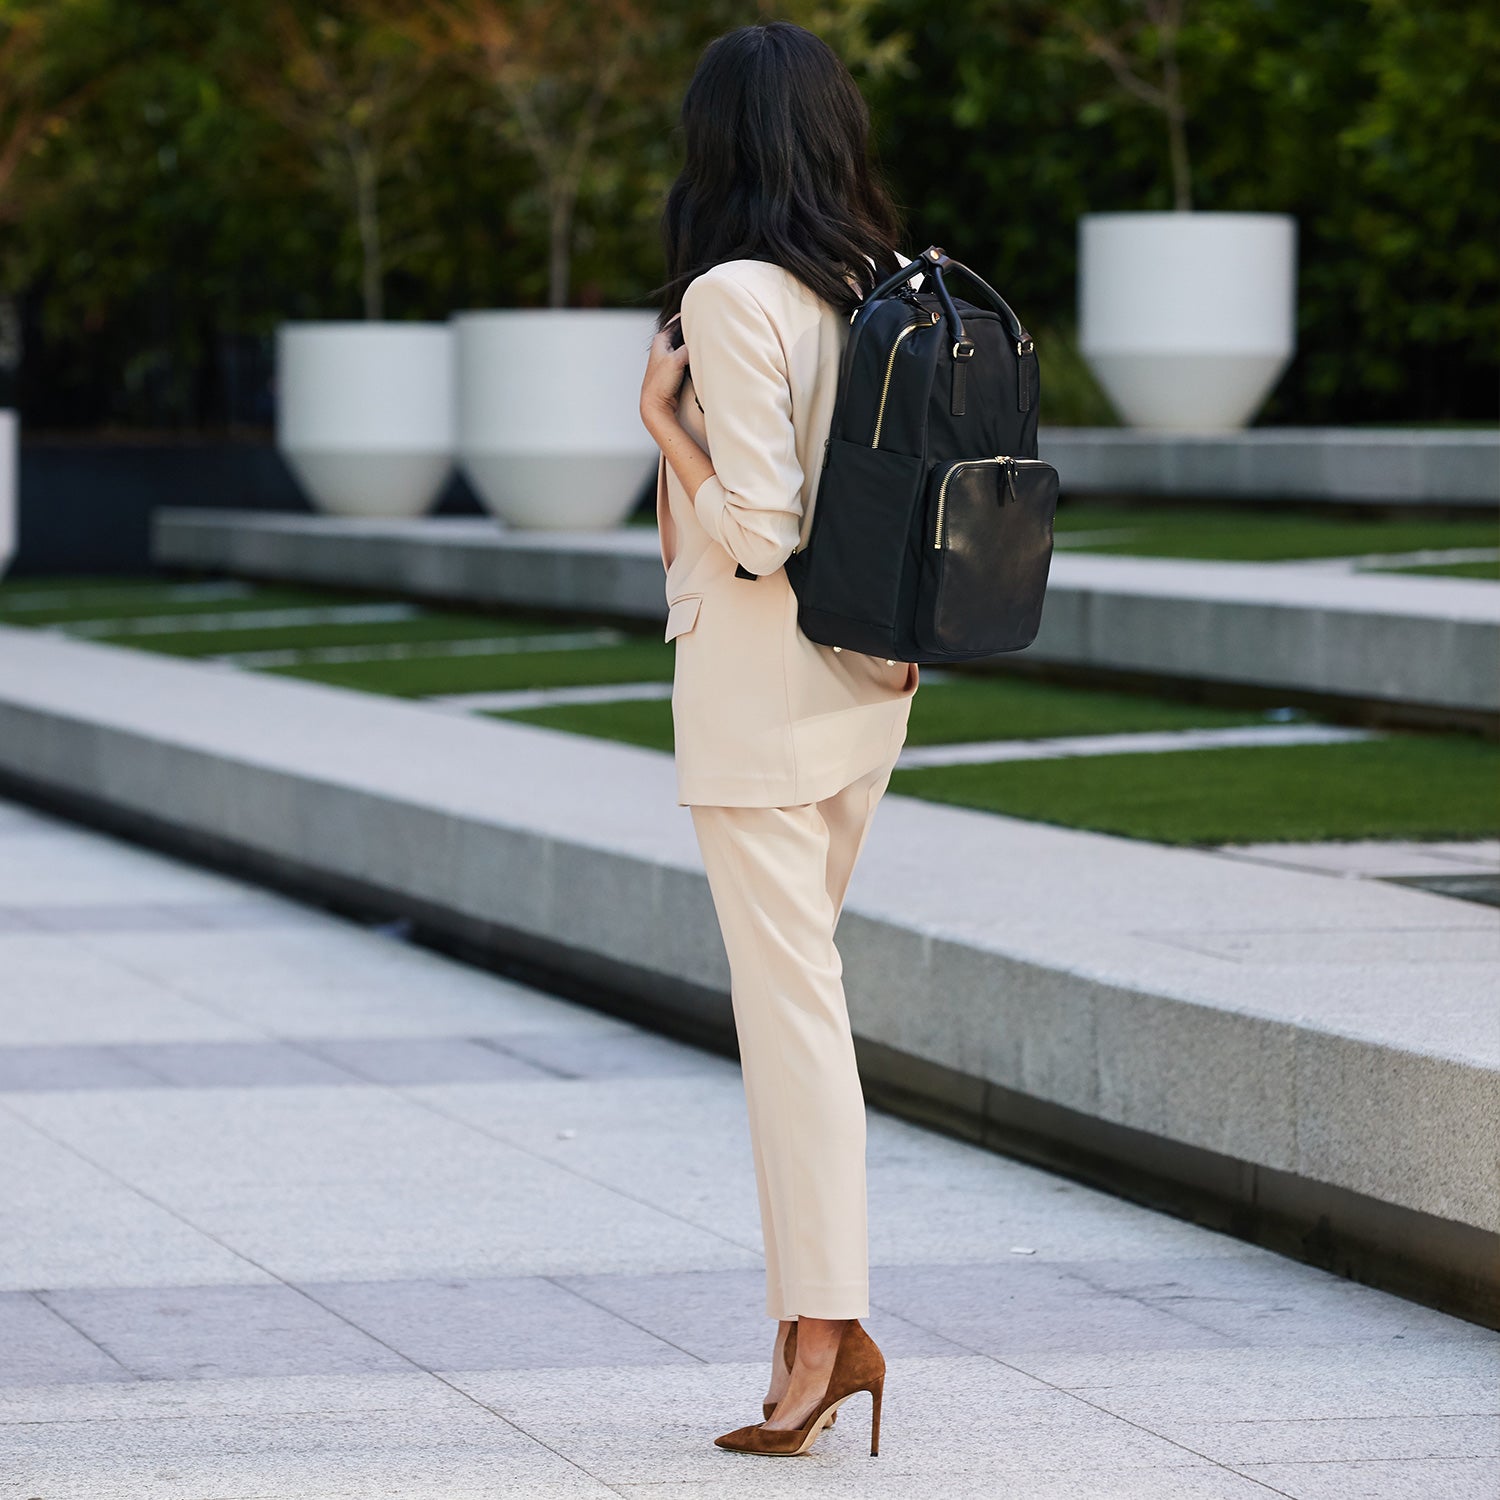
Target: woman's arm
749,495
660,392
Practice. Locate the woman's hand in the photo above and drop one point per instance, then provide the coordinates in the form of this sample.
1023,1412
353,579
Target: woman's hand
665,367
662,385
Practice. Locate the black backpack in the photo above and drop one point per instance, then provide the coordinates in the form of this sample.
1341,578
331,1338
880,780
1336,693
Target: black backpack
931,536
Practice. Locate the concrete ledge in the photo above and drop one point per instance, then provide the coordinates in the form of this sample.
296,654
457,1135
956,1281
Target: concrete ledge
1295,1058
1362,466
1429,643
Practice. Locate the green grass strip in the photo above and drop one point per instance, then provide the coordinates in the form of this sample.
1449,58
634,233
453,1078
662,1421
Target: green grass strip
425,628
135,602
942,713
1403,787
70,591
1252,536
1001,707
646,722
640,659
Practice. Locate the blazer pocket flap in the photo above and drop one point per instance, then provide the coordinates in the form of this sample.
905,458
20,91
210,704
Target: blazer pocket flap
682,614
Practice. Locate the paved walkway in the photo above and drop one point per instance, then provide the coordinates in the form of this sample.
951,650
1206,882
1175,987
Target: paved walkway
291,1209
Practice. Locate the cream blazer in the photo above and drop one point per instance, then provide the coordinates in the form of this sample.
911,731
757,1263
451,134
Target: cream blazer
763,716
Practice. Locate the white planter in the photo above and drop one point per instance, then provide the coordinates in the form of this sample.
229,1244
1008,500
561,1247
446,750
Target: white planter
364,414
549,426
10,485
1187,319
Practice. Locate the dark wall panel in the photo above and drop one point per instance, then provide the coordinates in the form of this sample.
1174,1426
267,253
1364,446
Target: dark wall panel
86,507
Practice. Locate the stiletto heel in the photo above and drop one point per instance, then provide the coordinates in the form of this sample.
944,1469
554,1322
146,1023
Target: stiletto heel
858,1365
789,1356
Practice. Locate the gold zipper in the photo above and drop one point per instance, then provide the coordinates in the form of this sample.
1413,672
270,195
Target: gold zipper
968,463
890,365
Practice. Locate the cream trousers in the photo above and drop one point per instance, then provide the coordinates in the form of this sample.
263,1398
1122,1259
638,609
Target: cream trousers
778,877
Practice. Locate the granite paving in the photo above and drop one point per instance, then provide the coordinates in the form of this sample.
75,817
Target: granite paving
292,1208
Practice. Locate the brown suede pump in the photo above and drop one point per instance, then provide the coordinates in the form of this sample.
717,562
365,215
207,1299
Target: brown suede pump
857,1366
789,1356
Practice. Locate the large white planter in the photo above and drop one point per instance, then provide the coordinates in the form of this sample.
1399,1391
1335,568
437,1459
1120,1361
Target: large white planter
10,485
549,426
1187,319
364,413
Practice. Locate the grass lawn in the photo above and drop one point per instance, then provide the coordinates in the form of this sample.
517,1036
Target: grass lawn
943,713
1015,708
1245,535
48,601
125,600
645,722
1406,786
636,659
425,627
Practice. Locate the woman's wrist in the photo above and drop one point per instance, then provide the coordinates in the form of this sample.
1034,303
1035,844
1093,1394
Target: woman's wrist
685,456
660,419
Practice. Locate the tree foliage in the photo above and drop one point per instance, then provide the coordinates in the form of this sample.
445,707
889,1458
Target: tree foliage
341,82
175,180
1372,122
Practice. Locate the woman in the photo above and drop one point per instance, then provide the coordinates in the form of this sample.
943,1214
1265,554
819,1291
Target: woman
774,230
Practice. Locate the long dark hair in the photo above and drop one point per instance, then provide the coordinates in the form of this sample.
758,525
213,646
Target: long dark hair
777,168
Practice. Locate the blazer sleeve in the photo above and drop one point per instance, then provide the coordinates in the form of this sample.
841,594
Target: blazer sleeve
752,503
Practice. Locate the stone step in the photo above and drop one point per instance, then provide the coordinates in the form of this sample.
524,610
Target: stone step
1342,465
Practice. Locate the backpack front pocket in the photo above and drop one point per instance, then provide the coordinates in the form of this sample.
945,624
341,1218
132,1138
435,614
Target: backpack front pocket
988,552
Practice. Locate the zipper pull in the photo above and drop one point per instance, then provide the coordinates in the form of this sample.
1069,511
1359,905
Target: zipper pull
1010,479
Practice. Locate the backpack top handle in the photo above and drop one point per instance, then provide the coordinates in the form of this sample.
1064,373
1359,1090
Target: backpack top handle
934,259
